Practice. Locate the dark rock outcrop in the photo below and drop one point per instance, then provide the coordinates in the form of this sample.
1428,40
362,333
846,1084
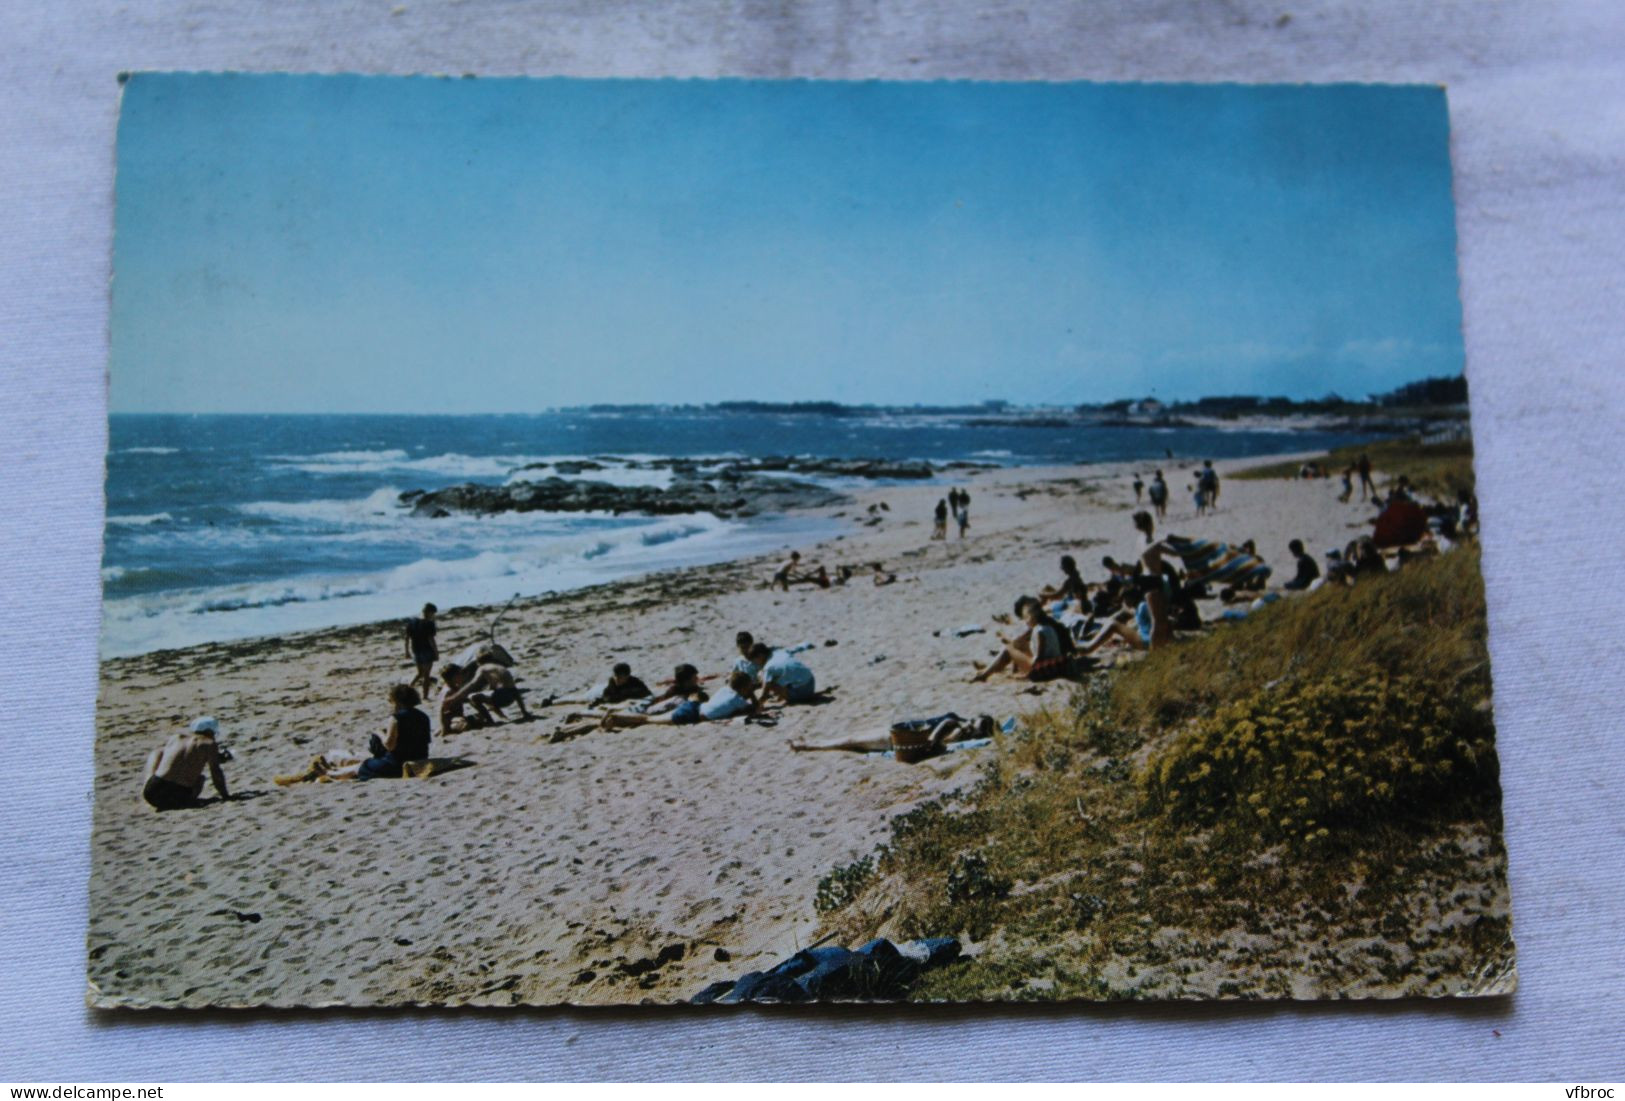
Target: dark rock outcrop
746,495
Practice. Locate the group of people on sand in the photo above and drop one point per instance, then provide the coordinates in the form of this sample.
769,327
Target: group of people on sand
1204,490
762,678
1140,605
792,572
957,505
1156,493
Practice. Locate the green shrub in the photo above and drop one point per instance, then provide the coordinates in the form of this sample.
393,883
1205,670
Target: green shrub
843,884
1297,759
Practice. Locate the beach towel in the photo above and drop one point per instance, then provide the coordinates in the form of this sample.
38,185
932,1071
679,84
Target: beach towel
1199,555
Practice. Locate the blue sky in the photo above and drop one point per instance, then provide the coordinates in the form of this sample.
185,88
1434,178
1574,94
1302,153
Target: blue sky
383,244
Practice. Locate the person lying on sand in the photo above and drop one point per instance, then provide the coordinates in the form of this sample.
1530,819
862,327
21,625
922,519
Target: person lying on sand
173,776
621,687
1040,654
950,729
882,577
405,739
738,698
783,677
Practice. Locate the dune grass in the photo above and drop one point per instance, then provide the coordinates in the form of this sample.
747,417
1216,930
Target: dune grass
1114,848
1436,470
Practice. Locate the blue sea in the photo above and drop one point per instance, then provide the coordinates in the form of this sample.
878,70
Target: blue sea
226,527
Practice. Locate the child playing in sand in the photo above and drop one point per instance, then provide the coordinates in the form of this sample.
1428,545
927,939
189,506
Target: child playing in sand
173,777
405,739
421,648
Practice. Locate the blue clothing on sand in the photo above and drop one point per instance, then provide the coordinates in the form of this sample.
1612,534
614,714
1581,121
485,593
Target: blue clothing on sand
788,673
685,713
724,705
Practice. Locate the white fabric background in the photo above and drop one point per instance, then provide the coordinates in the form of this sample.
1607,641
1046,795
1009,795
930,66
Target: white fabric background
1537,101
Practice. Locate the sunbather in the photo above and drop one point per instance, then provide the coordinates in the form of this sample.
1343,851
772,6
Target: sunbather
1131,626
1039,654
947,730
405,739
621,687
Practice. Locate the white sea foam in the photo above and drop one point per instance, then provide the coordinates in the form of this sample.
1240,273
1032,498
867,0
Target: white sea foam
380,502
519,562
147,451
137,521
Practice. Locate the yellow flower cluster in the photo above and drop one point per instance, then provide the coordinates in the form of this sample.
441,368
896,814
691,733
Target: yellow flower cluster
1291,760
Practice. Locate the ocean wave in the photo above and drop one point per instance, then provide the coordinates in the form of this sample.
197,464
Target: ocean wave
380,502
147,451
995,453
570,559
136,521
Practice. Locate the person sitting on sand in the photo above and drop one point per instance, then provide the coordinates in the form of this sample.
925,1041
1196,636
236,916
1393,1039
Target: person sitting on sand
1072,586
783,677
1039,654
1308,571
173,777
421,648
489,688
948,730
405,739
1131,626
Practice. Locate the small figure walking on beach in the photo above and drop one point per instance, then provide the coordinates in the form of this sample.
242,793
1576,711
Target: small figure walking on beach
962,513
421,648
173,778
1208,480
1158,492
1139,487
1348,485
939,529
1364,467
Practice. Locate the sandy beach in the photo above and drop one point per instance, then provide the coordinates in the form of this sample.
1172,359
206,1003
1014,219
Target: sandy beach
618,867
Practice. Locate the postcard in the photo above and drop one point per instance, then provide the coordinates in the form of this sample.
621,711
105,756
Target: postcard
649,541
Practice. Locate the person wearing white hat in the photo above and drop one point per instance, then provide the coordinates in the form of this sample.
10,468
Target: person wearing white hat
173,779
